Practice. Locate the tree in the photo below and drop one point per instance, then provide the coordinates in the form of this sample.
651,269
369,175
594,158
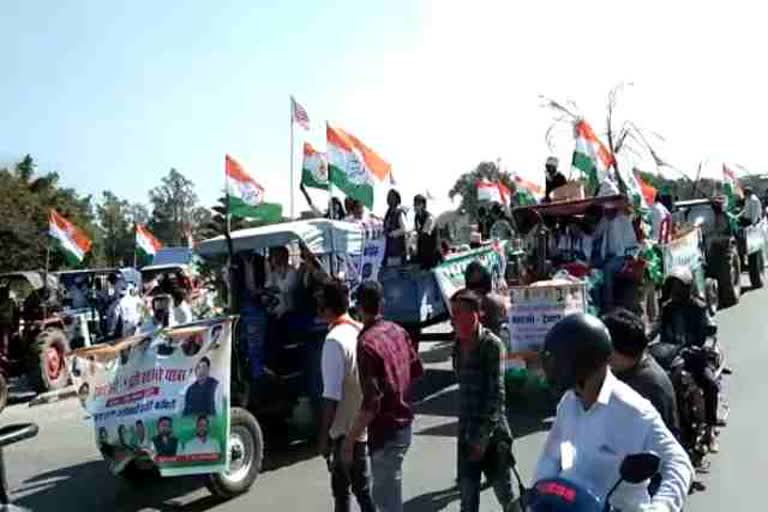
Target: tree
466,185
173,206
116,229
24,206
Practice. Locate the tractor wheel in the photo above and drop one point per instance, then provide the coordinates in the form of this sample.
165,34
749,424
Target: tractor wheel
47,366
246,446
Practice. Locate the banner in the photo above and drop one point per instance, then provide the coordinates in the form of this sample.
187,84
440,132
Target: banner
683,251
160,397
365,266
533,310
450,273
755,236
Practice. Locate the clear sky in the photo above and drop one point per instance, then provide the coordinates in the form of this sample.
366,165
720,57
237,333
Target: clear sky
111,94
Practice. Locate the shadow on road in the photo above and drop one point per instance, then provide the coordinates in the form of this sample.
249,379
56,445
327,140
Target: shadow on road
89,486
432,501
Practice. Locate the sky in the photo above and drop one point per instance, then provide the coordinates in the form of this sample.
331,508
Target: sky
113,94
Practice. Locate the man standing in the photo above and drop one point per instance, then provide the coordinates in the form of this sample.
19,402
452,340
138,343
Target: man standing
753,209
342,398
427,253
494,310
485,440
554,177
632,364
661,221
388,365
140,433
600,420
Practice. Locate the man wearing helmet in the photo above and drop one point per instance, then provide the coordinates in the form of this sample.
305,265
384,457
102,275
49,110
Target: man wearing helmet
684,323
600,420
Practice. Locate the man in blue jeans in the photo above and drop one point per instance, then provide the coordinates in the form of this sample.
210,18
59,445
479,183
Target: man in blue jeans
388,365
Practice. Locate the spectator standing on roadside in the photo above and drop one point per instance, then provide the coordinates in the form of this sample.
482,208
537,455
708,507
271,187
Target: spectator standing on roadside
342,398
388,366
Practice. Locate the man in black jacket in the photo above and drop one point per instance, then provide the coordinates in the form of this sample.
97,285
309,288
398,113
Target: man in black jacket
632,363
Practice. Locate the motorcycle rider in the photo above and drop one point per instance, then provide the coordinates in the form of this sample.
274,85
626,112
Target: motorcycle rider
685,323
600,420
632,364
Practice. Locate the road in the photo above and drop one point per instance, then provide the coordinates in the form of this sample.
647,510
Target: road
62,467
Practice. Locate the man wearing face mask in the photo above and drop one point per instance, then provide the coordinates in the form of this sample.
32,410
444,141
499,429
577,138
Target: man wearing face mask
600,420
485,440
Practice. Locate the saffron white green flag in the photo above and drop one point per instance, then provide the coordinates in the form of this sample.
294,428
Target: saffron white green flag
73,242
354,168
590,156
146,241
314,172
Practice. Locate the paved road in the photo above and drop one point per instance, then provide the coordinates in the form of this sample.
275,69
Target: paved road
63,468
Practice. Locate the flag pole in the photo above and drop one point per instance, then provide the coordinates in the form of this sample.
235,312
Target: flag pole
135,248
291,181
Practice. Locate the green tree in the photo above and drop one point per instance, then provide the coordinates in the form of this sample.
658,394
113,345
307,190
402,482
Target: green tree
173,205
466,185
116,229
24,204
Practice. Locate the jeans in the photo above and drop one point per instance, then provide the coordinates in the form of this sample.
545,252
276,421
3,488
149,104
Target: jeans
705,378
611,267
387,463
357,476
497,466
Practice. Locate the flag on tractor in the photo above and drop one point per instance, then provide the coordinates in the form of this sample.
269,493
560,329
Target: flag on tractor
493,192
528,193
353,167
70,239
648,190
314,171
246,196
731,186
146,243
299,114
590,156
633,188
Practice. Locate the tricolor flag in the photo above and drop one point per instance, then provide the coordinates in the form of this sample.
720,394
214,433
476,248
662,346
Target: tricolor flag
146,242
73,242
299,114
528,193
314,171
493,192
648,190
243,191
731,186
353,167
590,156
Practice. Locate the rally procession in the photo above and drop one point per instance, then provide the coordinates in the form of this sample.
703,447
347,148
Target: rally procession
556,316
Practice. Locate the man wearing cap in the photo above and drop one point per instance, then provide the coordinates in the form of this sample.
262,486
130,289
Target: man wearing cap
618,242
555,178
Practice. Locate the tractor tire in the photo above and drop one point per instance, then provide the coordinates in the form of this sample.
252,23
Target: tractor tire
246,445
756,269
47,366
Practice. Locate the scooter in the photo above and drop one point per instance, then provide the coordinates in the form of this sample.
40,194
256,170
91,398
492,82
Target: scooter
562,495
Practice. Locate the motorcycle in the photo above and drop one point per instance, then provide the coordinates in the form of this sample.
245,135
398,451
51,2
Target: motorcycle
694,430
562,495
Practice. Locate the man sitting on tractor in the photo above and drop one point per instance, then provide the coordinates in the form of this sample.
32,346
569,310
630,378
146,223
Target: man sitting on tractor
618,242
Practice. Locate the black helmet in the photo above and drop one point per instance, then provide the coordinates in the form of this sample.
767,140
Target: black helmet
574,348
484,282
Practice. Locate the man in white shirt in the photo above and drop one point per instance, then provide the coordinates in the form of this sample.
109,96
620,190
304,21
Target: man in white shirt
202,442
618,243
660,217
343,396
753,208
130,311
600,420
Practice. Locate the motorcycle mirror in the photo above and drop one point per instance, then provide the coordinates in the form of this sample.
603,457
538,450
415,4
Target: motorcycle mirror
639,467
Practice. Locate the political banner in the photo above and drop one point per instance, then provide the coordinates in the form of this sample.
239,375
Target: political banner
161,397
683,251
533,310
450,273
366,265
755,236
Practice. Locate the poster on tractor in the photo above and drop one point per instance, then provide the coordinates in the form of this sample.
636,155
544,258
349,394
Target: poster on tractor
161,397
533,310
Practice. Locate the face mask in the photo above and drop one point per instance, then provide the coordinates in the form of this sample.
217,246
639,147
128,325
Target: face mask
466,326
